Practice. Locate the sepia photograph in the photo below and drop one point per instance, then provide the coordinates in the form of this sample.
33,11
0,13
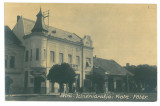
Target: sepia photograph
80,52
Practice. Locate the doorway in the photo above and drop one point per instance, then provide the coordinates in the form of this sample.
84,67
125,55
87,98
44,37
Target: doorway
37,85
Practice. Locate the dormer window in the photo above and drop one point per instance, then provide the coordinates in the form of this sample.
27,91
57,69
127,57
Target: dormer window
70,36
54,31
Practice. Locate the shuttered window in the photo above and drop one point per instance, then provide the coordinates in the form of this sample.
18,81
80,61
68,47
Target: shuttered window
52,56
70,59
12,62
60,58
31,55
26,56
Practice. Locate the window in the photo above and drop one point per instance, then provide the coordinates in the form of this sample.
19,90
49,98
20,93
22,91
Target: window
12,62
52,58
88,62
32,80
70,59
26,57
44,55
31,55
77,60
60,58
54,31
6,61
37,53
26,79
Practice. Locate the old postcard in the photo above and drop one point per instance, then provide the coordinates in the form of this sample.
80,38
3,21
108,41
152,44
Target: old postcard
80,52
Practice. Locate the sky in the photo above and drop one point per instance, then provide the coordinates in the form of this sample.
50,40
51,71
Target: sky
126,33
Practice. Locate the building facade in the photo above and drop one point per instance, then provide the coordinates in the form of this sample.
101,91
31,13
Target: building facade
116,77
45,46
14,53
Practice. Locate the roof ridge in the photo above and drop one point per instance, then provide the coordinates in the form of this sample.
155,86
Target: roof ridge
77,35
23,24
103,59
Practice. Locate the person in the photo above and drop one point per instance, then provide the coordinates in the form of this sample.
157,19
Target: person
123,87
8,82
74,87
65,88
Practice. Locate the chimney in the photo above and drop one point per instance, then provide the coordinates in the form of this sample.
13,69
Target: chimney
127,64
18,17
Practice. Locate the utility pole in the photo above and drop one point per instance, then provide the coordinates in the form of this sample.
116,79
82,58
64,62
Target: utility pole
46,15
127,84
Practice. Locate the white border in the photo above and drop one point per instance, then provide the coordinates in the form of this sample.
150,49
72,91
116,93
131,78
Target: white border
3,102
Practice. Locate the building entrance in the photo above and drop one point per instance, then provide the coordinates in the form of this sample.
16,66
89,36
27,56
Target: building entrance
37,85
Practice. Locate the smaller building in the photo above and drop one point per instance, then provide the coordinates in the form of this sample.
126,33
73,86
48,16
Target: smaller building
14,73
116,77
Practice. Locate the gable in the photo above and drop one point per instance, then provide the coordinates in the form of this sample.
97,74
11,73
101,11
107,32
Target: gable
87,41
10,37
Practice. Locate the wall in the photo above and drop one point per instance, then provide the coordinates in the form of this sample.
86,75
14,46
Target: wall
16,73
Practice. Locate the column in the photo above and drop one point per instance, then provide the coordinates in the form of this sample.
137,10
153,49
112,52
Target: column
106,86
50,86
47,82
115,85
127,84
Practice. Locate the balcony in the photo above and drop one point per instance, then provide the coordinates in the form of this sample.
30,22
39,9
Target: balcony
75,66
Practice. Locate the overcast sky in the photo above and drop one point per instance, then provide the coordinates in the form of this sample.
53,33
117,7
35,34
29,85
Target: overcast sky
122,32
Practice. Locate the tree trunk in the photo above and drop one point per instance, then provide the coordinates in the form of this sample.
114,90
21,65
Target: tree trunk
70,87
61,87
52,86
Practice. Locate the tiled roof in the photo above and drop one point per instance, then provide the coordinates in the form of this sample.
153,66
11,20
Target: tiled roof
55,32
110,67
10,37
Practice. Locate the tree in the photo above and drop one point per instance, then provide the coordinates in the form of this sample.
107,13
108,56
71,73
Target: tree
62,74
144,75
97,76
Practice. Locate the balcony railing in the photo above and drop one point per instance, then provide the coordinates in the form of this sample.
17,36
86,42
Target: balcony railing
75,67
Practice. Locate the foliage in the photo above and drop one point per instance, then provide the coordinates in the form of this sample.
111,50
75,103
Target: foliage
97,77
61,74
144,75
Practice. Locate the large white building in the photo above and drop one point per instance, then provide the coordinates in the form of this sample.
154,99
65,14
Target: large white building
46,46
